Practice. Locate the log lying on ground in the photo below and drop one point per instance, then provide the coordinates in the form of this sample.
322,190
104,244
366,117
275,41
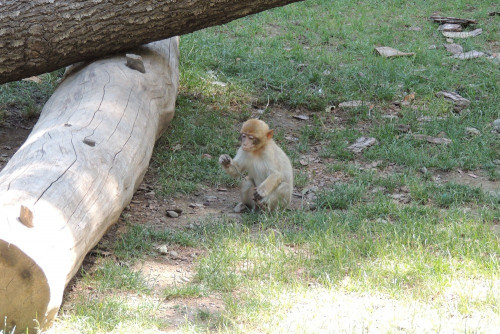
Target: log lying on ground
40,36
78,169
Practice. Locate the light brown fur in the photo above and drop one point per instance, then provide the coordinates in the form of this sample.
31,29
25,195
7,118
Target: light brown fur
269,181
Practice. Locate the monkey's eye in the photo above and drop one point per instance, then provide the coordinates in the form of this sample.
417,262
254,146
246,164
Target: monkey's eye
250,137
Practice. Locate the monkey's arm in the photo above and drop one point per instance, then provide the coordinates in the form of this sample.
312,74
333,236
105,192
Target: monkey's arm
268,185
230,166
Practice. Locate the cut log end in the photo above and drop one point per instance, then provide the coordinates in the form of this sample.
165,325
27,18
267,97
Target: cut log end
25,291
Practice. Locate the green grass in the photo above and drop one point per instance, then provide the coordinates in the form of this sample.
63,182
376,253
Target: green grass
413,252
316,54
111,314
26,97
189,153
140,241
189,291
434,257
113,276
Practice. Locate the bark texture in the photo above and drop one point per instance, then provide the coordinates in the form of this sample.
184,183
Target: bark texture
78,169
39,36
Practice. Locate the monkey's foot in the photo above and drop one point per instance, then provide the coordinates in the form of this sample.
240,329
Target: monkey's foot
240,208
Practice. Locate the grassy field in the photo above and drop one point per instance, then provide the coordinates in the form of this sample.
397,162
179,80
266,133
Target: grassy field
401,238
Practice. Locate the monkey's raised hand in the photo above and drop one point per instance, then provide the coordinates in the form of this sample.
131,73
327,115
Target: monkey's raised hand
225,160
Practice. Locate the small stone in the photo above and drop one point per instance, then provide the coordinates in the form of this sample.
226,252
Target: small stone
135,62
219,83
211,198
172,214
423,170
311,197
496,229
472,131
162,249
403,128
454,48
496,125
174,254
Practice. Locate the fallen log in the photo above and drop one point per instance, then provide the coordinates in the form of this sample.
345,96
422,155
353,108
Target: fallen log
40,36
78,169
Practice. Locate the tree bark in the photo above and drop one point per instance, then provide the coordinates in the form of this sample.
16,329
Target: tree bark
78,169
39,36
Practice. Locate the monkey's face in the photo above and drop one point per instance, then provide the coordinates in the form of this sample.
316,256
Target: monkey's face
255,135
250,143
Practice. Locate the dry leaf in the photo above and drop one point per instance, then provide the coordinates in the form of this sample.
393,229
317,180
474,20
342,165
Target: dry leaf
301,117
453,20
450,27
409,97
361,144
459,102
219,83
353,104
465,34
389,52
34,79
177,147
433,140
469,55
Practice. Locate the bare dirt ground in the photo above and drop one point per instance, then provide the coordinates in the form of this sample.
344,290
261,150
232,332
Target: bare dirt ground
175,266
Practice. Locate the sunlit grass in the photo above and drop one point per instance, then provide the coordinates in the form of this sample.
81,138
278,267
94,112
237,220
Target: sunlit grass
362,260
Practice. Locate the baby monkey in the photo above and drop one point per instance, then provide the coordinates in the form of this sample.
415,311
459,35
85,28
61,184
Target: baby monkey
269,181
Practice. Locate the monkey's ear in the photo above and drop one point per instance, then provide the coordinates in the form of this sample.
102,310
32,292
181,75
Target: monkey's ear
270,134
